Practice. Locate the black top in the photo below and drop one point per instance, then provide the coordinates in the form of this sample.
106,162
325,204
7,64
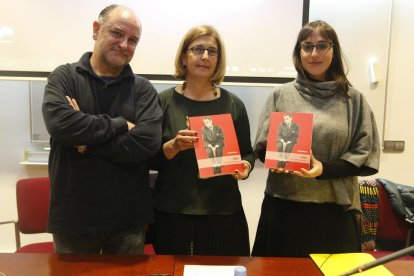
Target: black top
178,188
106,188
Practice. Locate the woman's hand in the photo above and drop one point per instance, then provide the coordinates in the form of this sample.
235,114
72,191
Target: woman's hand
315,171
182,141
280,170
240,175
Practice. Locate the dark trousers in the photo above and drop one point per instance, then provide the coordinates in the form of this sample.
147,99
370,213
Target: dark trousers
129,242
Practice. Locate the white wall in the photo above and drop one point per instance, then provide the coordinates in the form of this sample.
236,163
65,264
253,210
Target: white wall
363,30
361,36
399,105
14,140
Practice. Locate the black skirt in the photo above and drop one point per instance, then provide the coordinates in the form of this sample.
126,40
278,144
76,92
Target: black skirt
220,235
296,229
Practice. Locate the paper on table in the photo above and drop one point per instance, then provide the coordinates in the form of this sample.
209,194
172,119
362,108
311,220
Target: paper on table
208,270
337,264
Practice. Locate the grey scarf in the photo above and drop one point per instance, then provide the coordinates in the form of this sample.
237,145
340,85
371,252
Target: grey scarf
318,89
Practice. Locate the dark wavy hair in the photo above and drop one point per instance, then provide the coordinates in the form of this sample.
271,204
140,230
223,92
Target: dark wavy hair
336,71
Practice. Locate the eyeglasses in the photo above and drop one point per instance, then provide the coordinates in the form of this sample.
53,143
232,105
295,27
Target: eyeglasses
198,50
321,47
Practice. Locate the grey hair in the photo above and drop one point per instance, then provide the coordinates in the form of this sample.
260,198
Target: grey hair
103,14
107,10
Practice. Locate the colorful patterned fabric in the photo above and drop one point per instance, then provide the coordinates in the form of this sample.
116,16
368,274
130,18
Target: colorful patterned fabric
370,213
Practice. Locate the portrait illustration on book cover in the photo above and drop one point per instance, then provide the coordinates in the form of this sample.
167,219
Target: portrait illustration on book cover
289,141
217,149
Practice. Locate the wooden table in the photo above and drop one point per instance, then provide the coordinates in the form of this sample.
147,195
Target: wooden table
24,264
254,265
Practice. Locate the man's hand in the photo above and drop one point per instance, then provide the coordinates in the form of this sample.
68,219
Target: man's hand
81,149
73,103
130,125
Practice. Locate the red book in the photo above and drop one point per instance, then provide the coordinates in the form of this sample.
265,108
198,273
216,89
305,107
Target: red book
217,149
289,141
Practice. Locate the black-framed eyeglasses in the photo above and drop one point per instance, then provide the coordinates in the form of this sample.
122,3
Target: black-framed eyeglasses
198,50
321,47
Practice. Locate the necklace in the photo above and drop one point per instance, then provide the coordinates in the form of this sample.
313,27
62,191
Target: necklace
191,110
214,89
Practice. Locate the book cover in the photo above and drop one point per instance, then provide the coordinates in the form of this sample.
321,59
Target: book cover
289,141
217,149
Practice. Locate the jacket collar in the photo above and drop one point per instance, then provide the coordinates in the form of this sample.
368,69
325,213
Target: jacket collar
84,64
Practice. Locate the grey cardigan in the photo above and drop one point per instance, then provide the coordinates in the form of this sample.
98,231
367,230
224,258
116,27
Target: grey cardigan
344,128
